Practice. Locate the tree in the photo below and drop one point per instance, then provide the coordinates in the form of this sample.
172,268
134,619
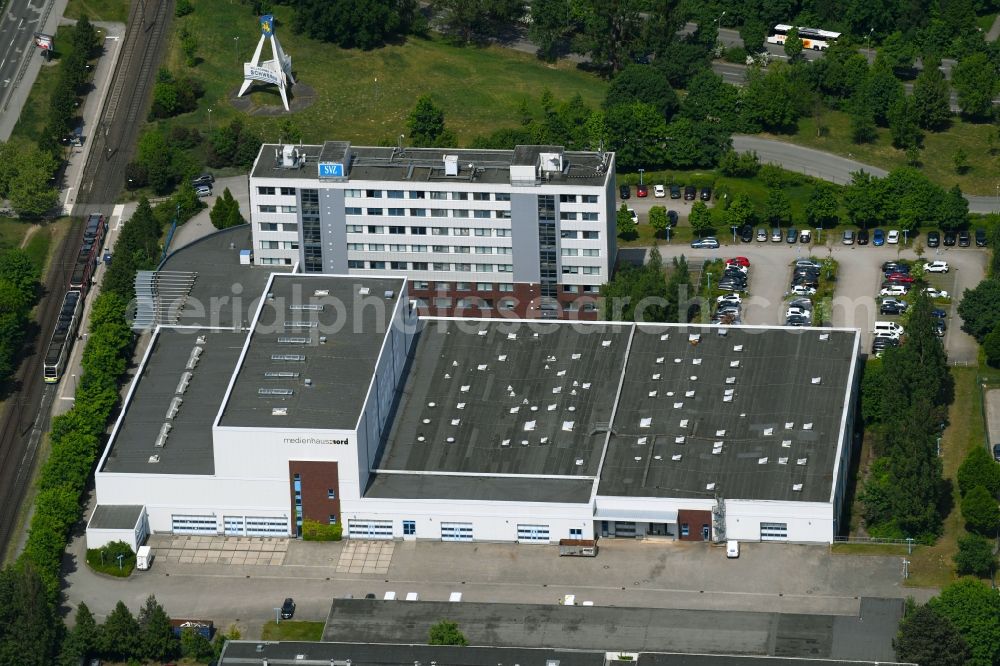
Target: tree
636,132
753,32
740,211
426,124
156,637
700,218
550,28
980,309
822,207
863,127
952,210
710,98
642,83
883,90
929,639
195,646
904,124
961,161
769,100
658,219
991,347
690,144
120,634
609,31
777,207
979,469
364,24
975,556
974,610
624,223
931,97
793,45
446,632
226,211
980,511
30,190
741,165
157,157
27,622
975,81
896,54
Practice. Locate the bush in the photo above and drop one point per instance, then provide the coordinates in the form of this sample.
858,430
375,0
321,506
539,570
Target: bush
979,469
313,530
975,556
740,165
446,632
105,559
736,54
980,511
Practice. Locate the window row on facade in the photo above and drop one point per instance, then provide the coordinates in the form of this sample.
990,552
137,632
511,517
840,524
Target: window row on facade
439,266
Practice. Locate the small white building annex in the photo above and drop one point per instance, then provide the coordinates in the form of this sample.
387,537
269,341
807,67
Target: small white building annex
304,397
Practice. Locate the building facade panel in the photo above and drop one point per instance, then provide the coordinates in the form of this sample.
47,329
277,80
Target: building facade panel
314,492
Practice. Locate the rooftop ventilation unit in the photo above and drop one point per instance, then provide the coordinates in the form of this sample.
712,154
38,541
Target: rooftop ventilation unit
161,438
451,165
321,292
274,391
307,381
182,385
280,374
175,406
193,358
154,459
279,411
201,340
694,338
288,340
308,308
364,291
389,293
301,324
797,487
288,357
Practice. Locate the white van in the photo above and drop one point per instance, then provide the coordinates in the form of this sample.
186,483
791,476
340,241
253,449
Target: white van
887,329
143,558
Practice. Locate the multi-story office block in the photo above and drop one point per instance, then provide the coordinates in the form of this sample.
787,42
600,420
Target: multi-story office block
528,232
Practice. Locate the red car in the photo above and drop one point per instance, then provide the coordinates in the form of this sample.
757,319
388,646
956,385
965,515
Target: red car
899,277
739,261
642,191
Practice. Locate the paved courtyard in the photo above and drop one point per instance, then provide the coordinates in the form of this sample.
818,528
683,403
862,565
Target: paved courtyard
170,549
366,557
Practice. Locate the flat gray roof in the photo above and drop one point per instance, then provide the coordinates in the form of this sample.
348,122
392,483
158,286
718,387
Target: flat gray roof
115,516
615,628
224,291
495,397
426,165
188,447
448,487
335,347
780,427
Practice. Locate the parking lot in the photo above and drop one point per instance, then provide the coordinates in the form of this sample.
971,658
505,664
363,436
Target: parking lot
858,280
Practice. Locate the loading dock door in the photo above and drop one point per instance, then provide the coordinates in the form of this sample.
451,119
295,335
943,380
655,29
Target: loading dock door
456,531
369,529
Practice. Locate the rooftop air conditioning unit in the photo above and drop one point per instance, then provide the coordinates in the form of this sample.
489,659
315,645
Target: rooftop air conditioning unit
451,165
289,156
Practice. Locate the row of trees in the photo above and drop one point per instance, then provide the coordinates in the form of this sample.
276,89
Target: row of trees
959,627
123,637
364,24
19,291
74,75
645,293
904,402
74,439
905,199
980,306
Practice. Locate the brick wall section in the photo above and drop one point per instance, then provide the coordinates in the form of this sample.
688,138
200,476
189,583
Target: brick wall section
694,520
317,477
525,296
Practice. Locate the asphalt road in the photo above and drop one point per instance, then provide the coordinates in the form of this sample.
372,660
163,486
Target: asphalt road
829,166
20,21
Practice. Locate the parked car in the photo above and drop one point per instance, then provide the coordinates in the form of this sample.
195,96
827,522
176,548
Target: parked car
894,290
762,235
878,238
706,194
939,327
893,237
848,238
739,261
890,267
980,237
803,290
642,190
791,235
732,549
659,191
939,313
798,321
203,191
892,306
805,236
949,238
934,292
933,238
746,233
633,215
894,278
963,239
776,235
863,237
804,303
811,263
996,452
672,218
675,191
690,193
798,312
203,179
288,609
624,191
705,244
732,299
936,267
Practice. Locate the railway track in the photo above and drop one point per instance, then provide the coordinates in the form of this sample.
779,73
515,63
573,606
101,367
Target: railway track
26,413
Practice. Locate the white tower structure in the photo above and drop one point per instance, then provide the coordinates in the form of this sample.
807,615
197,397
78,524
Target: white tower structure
277,70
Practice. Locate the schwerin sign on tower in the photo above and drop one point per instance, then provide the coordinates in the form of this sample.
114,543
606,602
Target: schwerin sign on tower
277,70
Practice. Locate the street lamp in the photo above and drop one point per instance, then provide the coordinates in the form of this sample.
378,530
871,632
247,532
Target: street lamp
236,45
641,171
868,41
718,22
210,119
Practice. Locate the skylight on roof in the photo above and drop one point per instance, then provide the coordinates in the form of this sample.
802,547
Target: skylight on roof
801,461
710,486
789,425
567,426
288,357
576,357
783,460
645,422
797,487
275,391
606,343
529,426
762,461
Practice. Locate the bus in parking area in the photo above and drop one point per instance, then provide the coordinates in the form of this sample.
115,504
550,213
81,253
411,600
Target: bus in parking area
812,38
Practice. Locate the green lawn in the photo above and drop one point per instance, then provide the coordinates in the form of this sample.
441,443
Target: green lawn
939,148
292,630
98,10
985,21
12,231
35,113
365,96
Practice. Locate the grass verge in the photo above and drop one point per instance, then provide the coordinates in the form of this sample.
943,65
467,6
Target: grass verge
98,10
35,114
289,630
366,96
937,156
